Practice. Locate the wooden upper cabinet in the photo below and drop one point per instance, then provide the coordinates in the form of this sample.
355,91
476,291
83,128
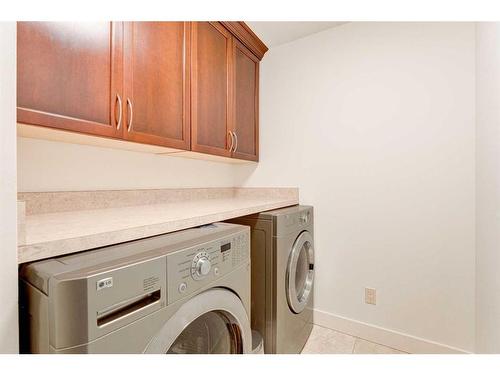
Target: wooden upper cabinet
156,83
69,75
183,85
211,88
246,94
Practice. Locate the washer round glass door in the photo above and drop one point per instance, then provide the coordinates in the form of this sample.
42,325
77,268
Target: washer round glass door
211,333
212,322
300,273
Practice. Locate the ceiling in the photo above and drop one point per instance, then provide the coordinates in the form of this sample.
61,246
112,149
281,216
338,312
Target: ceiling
276,33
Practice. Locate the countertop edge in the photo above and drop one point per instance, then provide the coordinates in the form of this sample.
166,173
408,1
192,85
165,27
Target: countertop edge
38,251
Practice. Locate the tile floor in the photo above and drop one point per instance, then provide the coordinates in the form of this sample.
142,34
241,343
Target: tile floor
327,341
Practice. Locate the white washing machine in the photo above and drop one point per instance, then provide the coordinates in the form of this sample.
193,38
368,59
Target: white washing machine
184,292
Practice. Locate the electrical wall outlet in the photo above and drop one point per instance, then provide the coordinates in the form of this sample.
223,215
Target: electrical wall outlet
370,296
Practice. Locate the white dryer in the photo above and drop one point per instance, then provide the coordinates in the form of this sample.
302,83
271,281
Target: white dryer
184,292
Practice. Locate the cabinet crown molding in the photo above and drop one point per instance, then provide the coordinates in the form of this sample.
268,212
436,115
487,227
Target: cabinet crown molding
246,36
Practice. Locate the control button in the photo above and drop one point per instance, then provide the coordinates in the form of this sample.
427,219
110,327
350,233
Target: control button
182,287
216,271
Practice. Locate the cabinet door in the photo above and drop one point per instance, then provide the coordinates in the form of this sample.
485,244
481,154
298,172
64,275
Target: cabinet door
156,83
246,102
69,75
211,90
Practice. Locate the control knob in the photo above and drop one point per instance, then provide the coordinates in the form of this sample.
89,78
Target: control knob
203,266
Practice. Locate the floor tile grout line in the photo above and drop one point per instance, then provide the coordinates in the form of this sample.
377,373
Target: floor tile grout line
387,346
360,338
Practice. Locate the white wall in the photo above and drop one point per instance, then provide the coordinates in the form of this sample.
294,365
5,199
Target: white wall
488,187
374,122
52,166
8,205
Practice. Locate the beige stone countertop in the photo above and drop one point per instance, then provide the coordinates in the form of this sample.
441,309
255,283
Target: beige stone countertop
57,233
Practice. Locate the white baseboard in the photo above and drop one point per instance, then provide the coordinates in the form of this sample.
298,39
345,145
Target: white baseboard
384,336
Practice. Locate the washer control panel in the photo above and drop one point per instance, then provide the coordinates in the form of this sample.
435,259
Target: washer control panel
190,269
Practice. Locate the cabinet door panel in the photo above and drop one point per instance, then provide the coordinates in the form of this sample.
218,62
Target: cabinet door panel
211,88
246,117
157,83
69,75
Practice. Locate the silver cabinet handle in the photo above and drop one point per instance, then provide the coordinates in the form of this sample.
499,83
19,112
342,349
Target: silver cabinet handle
236,142
120,113
230,133
130,114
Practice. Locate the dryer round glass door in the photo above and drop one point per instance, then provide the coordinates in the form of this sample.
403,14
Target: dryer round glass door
214,321
300,273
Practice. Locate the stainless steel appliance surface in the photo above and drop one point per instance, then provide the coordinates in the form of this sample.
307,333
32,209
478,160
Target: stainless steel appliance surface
183,292
282,254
